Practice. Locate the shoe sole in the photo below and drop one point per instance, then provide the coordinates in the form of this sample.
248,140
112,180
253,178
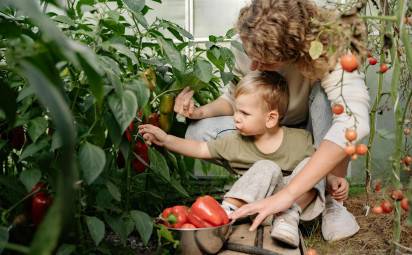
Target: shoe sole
284,239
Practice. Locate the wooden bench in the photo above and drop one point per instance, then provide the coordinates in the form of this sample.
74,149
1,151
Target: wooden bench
242,242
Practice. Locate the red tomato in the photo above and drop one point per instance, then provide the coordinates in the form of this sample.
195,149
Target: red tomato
350,149
349,63
384,67
397,195
407,160
372,61
337,109
377,210
378,186
361,149
387,206
405,204
311,251
350,135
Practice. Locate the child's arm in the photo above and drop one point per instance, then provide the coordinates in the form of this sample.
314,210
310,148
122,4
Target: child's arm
190,148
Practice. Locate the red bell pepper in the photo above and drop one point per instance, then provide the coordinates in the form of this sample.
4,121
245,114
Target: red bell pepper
188,226
129,131
141,149
209,210
176,216
197,222
39,205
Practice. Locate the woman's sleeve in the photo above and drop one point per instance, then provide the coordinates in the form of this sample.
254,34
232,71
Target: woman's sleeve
348,89
242,67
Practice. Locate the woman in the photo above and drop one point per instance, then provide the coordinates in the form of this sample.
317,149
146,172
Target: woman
277,35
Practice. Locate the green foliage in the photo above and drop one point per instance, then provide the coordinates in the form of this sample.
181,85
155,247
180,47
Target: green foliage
74,80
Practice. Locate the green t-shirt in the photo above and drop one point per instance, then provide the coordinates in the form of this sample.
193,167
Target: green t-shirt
241,152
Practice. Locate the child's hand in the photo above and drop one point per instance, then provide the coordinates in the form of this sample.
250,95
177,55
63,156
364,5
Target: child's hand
152,134
338,187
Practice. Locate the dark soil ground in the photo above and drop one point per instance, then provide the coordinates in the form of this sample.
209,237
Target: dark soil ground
374,236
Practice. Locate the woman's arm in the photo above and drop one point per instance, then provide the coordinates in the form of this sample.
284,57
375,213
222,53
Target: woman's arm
321,163
185,106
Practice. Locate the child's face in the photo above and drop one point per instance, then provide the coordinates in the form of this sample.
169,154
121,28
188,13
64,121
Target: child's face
250,116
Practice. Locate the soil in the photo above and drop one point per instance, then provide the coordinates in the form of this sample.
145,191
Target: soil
374,236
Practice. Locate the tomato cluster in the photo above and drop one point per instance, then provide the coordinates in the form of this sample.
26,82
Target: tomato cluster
354,150
386,206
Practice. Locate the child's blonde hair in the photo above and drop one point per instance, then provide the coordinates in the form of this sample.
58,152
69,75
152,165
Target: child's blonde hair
271,86
276,31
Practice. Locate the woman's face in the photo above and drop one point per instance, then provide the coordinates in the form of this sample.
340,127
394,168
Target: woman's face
262,66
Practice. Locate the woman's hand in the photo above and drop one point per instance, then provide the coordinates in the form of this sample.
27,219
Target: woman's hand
279,202
185,106
152,134
337,187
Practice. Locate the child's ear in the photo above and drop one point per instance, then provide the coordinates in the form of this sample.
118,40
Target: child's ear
272,119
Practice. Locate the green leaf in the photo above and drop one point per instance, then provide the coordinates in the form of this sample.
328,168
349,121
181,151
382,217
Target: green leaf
315,49
158,164
144,225
178,187
135,5
66,249
226,77
96,229
165,233
8,102
125,51
30,177
56,142
173,55
142,20
4,237
142,92
37,127
124,108
237,45
64,19
119,226
33,148
217,61
114,191
92,160
189,80
203,70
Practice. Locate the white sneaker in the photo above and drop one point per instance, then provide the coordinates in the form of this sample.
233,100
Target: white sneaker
285,227
337,222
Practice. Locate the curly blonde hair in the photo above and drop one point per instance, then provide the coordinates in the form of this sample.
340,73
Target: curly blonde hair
276,31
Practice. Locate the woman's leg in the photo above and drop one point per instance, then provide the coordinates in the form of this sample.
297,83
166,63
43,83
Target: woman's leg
210,128
337,222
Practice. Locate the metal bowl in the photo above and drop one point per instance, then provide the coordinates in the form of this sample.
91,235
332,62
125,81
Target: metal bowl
202,240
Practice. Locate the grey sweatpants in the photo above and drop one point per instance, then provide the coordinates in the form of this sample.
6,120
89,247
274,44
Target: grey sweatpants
265,178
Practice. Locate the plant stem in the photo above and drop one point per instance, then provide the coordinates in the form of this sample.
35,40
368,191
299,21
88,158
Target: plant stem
385,18
15,247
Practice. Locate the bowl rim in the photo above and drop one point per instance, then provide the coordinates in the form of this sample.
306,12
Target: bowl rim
208,228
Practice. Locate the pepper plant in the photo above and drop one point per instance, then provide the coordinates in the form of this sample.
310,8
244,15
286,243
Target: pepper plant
77,77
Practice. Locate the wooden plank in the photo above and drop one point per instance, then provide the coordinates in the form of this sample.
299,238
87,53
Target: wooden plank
272,245
240,235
